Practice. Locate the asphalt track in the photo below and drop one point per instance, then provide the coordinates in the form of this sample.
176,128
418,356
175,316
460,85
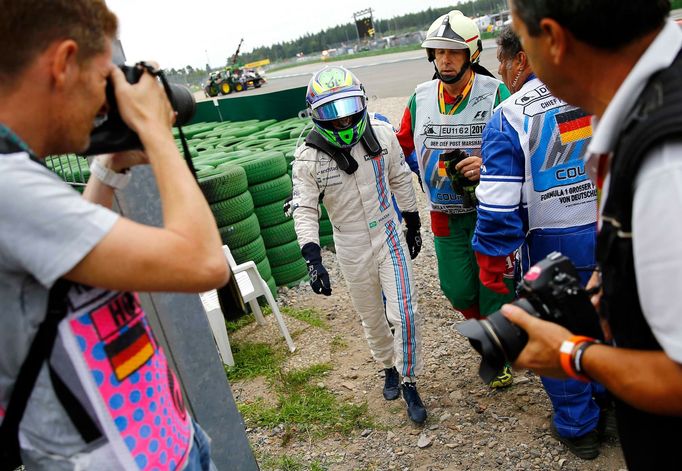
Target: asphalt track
384,76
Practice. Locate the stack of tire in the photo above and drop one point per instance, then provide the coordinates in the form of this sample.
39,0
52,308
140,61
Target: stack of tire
270,186
226,189
326,232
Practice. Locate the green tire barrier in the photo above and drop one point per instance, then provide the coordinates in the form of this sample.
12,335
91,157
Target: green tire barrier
279,234
254,250
263,166
241,131
241,232
264,269
290,272
256,143
325,227
231,210
273,287
282,254
207,172
271,191
228,143
228,183
271,214
326,240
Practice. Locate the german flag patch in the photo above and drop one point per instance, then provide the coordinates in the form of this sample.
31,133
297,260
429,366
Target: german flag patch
129,351
574,125
442,171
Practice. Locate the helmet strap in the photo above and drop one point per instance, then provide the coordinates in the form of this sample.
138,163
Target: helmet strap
369,140
456,78
341,157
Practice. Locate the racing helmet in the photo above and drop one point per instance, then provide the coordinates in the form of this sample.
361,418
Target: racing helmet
334,93
453,31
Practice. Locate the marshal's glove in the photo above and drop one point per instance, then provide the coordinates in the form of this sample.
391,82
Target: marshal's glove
493,271
413,235
319,278
460,184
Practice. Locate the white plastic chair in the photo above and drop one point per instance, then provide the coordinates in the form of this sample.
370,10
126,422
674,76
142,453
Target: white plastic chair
251,286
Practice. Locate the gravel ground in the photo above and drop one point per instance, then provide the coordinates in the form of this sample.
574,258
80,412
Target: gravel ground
470,426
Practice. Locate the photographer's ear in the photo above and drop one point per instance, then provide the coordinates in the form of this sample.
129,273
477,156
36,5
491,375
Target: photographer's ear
64,67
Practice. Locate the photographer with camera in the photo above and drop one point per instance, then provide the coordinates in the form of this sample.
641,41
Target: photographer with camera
461,96
83,382
626,71
533,171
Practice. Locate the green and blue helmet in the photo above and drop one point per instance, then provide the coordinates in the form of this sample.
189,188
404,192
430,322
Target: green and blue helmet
335,93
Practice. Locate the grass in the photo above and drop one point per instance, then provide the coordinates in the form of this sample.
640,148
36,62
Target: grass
254,359
288,463
305,408
338,343
309,316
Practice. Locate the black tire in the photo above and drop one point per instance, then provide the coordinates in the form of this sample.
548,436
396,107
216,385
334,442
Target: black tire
279,234
241,232
239,87
290,272
282,254
271,191
231,210
254,250
225,88
230,182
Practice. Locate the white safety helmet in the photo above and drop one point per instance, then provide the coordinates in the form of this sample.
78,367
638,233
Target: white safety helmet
454,31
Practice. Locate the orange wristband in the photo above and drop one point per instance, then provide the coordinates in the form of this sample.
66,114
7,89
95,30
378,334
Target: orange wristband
566,356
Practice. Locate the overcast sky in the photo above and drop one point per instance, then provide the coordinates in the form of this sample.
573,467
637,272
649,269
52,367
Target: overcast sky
179,33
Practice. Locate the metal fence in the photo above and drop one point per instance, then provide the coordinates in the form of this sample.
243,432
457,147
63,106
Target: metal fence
71,168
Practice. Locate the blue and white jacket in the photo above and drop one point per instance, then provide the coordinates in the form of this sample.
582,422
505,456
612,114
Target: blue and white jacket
534,192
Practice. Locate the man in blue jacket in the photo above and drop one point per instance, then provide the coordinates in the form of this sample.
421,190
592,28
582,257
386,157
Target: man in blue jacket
535,194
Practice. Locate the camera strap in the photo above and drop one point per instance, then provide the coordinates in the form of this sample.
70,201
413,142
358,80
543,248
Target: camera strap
39,352
166,86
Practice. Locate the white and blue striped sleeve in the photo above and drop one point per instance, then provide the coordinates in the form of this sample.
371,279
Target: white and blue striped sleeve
500,226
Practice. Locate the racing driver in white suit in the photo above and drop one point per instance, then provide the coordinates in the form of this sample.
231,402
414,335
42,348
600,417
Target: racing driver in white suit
353,164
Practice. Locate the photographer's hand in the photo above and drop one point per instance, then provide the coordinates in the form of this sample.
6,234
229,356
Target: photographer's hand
470,167
541,353
144,105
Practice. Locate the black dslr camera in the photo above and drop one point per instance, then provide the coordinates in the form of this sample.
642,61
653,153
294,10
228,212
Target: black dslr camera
111,134
551,291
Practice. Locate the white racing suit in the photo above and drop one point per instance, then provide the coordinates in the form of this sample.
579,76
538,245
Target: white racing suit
370,245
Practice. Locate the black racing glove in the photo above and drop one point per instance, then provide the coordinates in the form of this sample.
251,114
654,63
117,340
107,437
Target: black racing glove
319,278
460,184
288,210
413,236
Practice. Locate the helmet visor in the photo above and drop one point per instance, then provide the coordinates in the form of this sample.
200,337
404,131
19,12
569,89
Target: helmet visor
339,108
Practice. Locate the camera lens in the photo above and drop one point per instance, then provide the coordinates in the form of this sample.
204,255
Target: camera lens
183,103
496,339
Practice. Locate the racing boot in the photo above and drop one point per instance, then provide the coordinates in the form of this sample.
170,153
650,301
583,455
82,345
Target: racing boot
391,384
415,407
585,447
503,379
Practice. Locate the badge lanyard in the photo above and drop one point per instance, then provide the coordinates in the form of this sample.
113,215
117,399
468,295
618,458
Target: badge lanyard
458,100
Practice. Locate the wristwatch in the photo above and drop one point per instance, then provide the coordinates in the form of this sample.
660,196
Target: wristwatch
115,180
